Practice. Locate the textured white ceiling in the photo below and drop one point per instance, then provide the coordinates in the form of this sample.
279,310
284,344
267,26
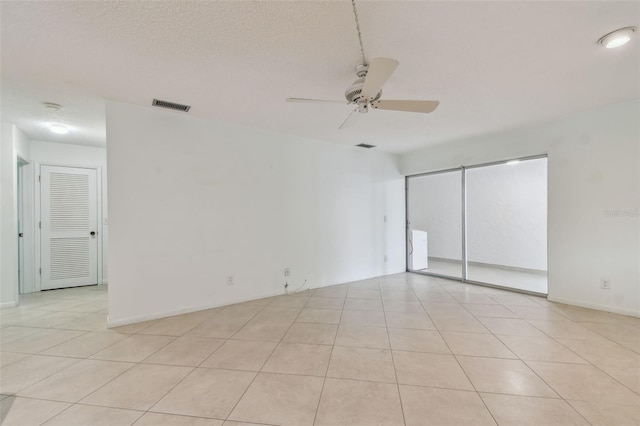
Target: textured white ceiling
492,65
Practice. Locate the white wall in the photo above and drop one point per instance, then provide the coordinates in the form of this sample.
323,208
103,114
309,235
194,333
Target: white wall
192,201
14,144
507,214
593,196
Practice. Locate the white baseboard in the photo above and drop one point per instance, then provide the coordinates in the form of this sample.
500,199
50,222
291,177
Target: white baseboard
8,305
598,307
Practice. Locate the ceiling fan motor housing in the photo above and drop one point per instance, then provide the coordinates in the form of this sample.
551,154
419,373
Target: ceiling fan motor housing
354,92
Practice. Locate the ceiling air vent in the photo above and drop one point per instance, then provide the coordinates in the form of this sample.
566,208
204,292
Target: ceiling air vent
171,105
364,145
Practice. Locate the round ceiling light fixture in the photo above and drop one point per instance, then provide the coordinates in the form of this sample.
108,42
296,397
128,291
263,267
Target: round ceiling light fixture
617,38
59,129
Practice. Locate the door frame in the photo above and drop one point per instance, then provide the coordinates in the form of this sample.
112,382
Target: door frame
38,211
463,170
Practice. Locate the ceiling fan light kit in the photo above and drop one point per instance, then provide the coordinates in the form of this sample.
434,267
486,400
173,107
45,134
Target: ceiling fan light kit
366,91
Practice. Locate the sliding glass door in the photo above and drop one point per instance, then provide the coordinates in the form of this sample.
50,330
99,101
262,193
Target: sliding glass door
434,203
507,224
485,224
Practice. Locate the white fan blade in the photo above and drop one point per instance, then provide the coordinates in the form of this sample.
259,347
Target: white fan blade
315,100
409,106
380,69
350,121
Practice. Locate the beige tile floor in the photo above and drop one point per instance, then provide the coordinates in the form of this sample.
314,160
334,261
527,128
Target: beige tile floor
403,349
518,280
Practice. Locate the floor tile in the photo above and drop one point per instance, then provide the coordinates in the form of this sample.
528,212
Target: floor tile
417,340
351,402
430,369
134,348
533,348
332,291
87,415
481,299
138,388
40,340
442,407
409,320
7,358
510,410
25,412
299,358
369,318
462,323
157,419
440,308
277,314
206,393
320,316
510,327
323,334
565,330
584,382
176,325
9,334
599,414
240,355
282,399
630,377
85,345
362,336
403,306
363,304
263,330
603,352
76,381
492,311
508,376
325,302
363,293
186,350
219,327
288,301
362,364
476,345
18,375
537,313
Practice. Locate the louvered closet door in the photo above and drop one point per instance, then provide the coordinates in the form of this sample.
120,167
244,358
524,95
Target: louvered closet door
69,240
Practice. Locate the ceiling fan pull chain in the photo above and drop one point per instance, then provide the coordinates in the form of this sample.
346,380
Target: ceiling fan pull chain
355,13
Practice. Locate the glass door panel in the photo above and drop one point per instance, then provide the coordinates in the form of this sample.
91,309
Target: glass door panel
506,223
434,214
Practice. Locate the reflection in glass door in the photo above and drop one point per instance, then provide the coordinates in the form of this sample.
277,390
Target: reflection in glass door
434,215
506,216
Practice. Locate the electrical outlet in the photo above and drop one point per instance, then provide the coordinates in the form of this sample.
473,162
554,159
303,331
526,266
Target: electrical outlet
385,258
230,280
605,284
287,272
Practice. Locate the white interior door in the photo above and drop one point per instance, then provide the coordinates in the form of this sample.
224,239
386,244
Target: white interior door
69,236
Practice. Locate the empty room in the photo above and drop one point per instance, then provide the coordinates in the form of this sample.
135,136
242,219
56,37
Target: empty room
347,212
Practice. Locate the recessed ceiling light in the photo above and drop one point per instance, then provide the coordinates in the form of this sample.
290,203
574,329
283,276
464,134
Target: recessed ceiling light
617,38
60,129
513,162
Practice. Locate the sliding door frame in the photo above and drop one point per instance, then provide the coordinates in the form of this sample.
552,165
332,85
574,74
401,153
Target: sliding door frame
463,183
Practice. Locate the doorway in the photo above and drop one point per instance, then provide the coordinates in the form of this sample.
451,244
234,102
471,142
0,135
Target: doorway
484,224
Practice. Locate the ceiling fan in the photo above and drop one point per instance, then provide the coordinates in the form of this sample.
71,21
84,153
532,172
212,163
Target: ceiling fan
366,91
